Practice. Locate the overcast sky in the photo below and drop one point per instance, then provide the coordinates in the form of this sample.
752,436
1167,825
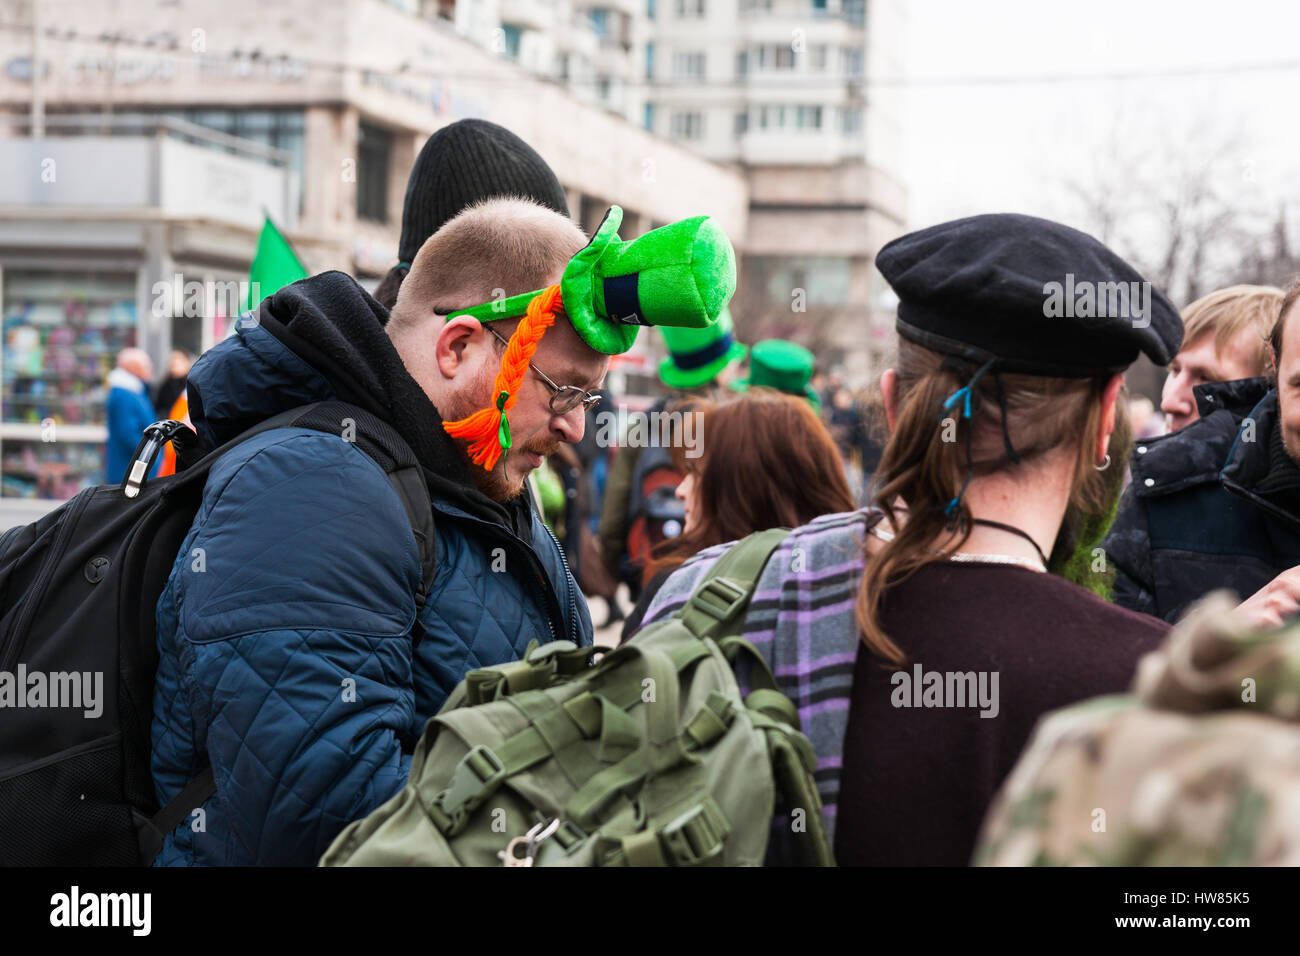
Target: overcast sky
990,147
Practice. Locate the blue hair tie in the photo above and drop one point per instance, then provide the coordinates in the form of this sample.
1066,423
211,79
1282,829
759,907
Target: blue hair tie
952,399
963,395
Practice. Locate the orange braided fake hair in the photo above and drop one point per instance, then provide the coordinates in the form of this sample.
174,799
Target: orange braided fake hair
488,430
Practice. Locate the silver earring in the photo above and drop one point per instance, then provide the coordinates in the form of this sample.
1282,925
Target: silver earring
1105,464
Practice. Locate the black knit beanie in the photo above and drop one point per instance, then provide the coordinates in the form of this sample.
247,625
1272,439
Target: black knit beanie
466,162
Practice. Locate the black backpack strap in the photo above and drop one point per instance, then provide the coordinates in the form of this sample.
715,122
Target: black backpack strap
173,815
378,439
381,442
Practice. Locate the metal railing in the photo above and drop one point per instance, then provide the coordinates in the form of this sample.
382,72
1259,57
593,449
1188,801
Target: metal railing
123,124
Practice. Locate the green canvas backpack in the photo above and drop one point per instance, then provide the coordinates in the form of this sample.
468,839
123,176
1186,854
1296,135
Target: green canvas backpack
648,757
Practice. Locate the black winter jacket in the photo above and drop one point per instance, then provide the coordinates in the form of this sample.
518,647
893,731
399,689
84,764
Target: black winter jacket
1213,505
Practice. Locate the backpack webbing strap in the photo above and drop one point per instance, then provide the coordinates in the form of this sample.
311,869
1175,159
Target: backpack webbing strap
373,436
716,608
381,442
484,769
479,774
696,837
194,795
793,765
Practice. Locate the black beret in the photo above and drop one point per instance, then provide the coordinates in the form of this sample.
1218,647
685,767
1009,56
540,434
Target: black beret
1042,298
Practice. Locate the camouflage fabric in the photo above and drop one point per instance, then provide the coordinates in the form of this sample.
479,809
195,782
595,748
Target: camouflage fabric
1214,505
1200,766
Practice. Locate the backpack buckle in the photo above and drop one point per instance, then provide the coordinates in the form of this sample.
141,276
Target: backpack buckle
721,599
475,779
697,836
550,654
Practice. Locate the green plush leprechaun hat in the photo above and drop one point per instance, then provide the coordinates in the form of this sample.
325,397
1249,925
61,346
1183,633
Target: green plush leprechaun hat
681,275
695,356
782,365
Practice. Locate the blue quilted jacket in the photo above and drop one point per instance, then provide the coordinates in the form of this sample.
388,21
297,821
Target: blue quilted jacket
284,628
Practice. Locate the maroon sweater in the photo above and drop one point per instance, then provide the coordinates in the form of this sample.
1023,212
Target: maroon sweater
917,779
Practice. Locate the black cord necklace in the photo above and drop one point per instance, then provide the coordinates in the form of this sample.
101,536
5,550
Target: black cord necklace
1013,530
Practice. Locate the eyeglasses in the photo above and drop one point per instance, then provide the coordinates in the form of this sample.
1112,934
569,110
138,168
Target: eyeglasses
564,398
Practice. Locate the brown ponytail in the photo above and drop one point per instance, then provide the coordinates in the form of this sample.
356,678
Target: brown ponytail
925,463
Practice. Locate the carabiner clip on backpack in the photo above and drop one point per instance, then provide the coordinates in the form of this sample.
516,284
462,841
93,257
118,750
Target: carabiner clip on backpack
151,443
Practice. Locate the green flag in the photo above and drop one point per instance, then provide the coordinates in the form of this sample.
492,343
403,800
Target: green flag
274,266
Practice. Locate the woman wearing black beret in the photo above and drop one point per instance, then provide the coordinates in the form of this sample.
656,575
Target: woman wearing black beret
923,637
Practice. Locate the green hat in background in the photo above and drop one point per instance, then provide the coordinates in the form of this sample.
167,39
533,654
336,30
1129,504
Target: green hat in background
784,366
695,356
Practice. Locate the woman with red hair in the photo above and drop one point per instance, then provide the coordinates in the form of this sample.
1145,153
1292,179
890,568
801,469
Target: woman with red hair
766,461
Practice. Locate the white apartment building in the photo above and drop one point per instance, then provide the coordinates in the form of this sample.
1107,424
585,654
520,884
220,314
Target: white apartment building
776,89
172,126
779,88
592,47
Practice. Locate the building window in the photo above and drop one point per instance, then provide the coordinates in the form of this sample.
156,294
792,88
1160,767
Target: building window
791,117
603,88
649,61
742,62
374,146
650,9
773,56
511,34
690,8
808,117
742,122
598,17
649,120
817,58
688,65
855,11
851,120
688,125
852,60
819,8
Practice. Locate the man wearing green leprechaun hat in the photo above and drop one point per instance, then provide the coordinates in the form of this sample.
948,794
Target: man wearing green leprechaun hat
639,509
784,366
354,568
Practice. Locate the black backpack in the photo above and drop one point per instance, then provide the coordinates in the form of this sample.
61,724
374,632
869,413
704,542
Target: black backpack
78,591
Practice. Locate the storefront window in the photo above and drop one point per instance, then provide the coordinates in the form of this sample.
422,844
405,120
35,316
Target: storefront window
62,332
374,147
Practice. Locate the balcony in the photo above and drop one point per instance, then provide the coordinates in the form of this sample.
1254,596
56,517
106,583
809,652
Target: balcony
528,14
787,147
140,162
851,12
630,8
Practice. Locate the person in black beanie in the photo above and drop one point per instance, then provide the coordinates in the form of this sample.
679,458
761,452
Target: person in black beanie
461,164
